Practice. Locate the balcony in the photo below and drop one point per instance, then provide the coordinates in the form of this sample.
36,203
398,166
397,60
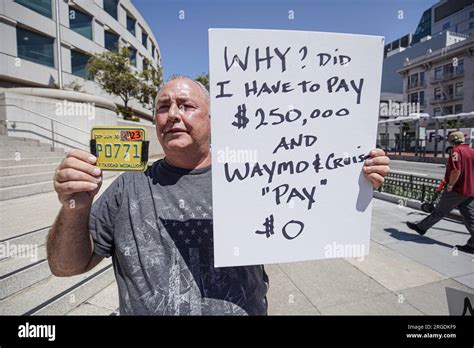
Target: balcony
416,85
449,98
447,77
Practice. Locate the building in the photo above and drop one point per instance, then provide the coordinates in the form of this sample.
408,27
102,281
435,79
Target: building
441,81
31,55
443,24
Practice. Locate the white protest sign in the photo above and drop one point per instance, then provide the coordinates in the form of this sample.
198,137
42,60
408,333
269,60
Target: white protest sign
293,116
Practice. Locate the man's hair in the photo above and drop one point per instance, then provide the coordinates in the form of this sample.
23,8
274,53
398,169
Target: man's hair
183,77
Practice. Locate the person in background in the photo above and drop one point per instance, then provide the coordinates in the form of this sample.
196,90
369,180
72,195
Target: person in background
459,193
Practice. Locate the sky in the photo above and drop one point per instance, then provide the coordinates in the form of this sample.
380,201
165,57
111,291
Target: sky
183,41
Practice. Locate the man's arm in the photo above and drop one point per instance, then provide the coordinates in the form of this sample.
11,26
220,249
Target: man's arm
453,178
70,247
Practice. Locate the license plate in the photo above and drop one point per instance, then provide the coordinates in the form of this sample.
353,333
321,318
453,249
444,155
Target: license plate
120,148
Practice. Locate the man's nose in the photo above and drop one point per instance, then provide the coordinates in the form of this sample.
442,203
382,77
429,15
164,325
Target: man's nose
174,113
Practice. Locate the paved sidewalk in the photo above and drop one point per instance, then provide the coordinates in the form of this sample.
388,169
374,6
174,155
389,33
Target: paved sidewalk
404,274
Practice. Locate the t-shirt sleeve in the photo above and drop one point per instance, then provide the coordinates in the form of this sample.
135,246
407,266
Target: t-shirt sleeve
456,160
103,215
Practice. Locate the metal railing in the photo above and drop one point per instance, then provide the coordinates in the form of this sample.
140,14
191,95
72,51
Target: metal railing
52,130
410,186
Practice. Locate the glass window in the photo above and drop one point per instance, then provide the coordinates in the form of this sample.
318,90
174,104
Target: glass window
437,112
153,50
460,66
145,40
438,73
471,14
446,26
79,62
422,78
111,41
35,47
414,80
110,6
42,7
458,108
131,24
414,98
448,92
437,93
458,89
422,98
471,25
448,110
132,54
80,22
448,70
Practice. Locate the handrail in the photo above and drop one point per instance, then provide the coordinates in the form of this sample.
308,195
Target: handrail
44,116
52,120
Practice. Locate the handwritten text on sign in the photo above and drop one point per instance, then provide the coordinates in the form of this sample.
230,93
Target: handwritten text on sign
294,115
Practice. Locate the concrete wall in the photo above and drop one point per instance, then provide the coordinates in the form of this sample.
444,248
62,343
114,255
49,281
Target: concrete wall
29,109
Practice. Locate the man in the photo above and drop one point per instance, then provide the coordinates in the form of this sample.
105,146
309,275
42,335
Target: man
157,225
459,193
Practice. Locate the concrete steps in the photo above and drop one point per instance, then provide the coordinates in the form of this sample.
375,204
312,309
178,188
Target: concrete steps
26,167
27,286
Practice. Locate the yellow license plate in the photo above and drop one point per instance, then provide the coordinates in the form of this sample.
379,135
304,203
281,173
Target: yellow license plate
120,148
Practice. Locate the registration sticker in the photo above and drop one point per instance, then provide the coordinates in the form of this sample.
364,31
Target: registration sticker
120,148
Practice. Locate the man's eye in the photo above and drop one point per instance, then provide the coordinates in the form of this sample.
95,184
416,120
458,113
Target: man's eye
163,108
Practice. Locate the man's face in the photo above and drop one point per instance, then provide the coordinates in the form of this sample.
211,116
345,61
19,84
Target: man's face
182,117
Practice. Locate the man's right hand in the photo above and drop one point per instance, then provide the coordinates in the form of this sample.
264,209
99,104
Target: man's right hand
77,180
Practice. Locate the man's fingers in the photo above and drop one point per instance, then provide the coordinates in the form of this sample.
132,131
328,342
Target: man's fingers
70,187
381,160
382,170
376,152
375,179
75,163
70,174
82,155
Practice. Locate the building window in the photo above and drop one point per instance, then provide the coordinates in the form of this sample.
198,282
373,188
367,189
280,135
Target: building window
460,67
439,73
153,50
448,70
448,110
437,112
80,22
458,89
448,92
413,98
78,63
111,41
413,80
471,14
471,25
35,47
132,54
446,26
422,98
437,93
110,6
422,78
131,24
458,108
144,39
42,7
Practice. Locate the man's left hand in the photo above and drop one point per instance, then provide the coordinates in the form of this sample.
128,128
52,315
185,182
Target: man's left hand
376,167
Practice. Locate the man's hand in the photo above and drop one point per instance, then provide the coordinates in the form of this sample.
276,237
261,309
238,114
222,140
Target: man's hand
77,180
376,167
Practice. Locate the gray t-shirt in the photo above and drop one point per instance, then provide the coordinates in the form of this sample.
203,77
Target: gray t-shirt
157,226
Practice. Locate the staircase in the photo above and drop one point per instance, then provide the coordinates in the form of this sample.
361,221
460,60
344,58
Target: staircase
26,167
27,286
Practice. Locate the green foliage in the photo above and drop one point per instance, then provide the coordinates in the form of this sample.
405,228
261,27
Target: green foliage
113,71
204,79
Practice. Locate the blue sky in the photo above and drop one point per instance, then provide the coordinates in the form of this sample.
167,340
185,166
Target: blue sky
183,42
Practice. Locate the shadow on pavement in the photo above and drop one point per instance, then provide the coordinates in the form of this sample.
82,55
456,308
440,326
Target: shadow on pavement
410,237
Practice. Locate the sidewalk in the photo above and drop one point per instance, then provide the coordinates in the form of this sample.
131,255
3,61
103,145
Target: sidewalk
404,273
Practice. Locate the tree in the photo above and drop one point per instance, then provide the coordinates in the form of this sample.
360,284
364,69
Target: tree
204,79
151,79
112,70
